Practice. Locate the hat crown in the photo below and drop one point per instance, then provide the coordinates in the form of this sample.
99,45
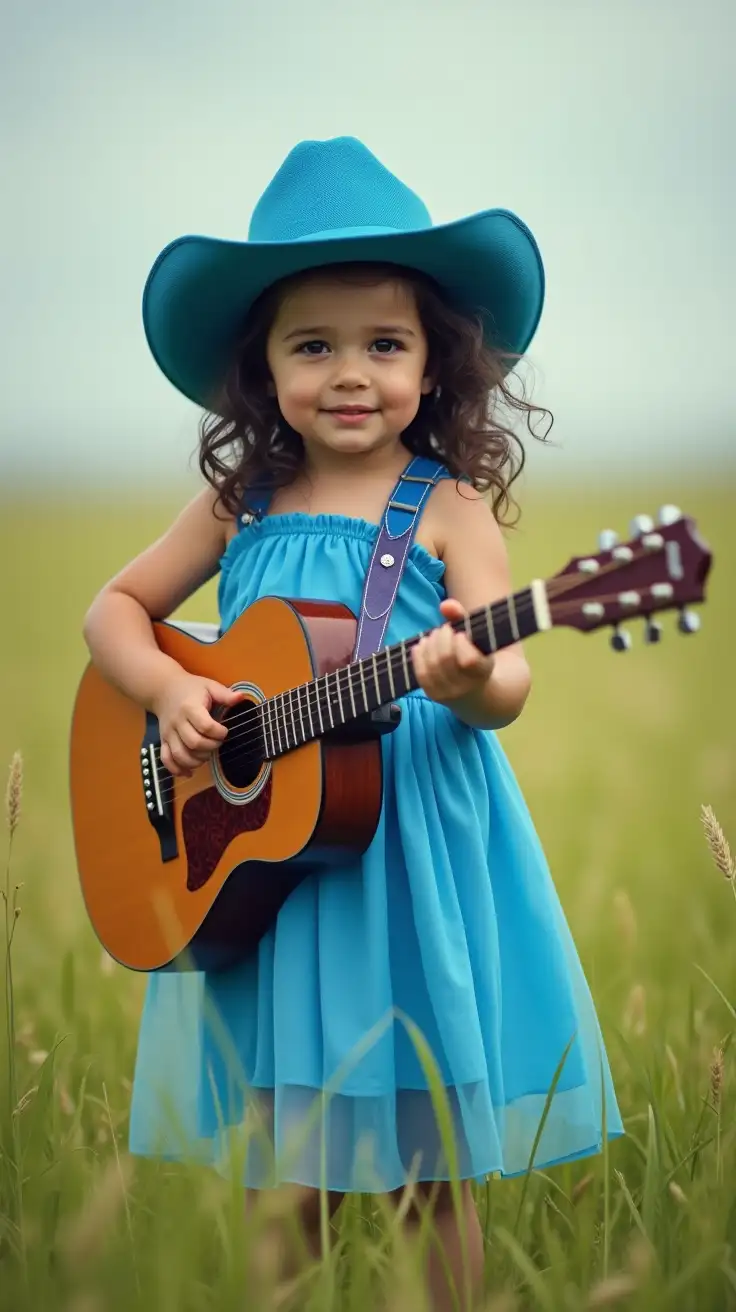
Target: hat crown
328,186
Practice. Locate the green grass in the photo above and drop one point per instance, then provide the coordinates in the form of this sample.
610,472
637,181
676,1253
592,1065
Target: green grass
615,755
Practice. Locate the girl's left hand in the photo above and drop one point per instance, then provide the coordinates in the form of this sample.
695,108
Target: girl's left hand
447,664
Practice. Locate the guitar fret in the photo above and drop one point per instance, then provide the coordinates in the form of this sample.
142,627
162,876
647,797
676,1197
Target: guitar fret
309,710
468,626
281,721
491,628
285,720
290,739
511,609
264,726
298,695
390,673
405,664
350,689
376,679
278,725
329,700
339,695
362,685
526,613
319,707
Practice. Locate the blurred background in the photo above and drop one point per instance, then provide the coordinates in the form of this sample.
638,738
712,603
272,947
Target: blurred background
609,128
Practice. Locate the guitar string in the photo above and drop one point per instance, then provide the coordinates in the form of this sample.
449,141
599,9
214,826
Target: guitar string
498,611
325,697
253,716
383,661
558,586
258,733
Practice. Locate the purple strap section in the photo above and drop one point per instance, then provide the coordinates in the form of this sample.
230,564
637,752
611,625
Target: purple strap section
398,528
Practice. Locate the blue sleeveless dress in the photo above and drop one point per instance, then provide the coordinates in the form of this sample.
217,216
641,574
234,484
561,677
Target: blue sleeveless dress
302,1063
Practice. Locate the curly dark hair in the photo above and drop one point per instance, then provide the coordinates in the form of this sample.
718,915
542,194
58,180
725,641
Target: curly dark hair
245,442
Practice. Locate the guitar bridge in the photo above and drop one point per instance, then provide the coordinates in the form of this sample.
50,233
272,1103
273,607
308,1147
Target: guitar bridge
158,791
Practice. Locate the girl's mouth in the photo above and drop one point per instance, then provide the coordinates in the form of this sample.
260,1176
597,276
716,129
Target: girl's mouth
351,414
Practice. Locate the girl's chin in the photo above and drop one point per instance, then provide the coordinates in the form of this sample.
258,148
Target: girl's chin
340,438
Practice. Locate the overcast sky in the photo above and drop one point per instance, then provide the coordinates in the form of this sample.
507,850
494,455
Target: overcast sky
608,126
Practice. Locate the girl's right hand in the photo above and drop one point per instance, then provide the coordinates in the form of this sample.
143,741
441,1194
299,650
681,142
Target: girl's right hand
189,732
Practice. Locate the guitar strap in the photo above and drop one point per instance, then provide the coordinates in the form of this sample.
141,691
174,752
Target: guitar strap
396,534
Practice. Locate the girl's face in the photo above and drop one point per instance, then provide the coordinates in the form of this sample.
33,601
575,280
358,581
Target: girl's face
348,363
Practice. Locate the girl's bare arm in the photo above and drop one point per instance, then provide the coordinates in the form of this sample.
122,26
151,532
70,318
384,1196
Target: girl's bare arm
117,627
476,574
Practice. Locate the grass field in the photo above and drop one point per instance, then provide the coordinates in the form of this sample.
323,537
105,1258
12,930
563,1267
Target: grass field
615,754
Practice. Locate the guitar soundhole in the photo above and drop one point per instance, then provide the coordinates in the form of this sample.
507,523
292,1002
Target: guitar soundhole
242,754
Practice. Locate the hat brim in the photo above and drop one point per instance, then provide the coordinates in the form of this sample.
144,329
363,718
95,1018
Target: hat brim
200,289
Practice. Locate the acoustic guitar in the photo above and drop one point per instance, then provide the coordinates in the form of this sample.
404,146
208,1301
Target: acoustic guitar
181,872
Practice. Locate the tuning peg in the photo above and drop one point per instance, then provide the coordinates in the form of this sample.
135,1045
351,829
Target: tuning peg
640,525
607,539
668,515
621,640
652,632
688,622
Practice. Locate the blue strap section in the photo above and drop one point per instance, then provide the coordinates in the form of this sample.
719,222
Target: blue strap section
409,492
396,534
257,499
403,511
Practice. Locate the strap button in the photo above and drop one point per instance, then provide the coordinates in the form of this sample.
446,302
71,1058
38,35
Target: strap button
387,561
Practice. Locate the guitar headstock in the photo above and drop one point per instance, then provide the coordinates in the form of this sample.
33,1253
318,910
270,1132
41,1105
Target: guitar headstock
662,567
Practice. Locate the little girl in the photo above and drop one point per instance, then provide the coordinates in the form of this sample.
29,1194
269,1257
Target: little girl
349,355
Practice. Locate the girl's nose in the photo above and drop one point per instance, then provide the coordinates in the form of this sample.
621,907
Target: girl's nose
349,371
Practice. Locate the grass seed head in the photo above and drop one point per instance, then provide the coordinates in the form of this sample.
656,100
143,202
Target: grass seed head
716,1078
717,842
14,792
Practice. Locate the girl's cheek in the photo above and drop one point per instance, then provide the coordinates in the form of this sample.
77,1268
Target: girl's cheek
293,401
301,391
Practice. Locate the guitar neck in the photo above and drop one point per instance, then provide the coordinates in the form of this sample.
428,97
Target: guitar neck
302,714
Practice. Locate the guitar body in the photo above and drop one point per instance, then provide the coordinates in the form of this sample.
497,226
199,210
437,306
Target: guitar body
190,872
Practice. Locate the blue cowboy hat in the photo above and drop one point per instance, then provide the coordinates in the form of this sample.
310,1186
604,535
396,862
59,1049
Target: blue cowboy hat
333,202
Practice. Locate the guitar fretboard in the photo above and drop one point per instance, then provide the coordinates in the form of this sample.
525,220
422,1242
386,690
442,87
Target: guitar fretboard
301,714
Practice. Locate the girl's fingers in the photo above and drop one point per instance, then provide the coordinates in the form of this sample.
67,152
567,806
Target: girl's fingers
451,609
467,654
446,645
438,646
195,742
185,759
171,765
417,656
189,737
448,664
205,725
224,695
167,759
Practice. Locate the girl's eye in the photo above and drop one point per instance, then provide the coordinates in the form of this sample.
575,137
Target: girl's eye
386,345
312,348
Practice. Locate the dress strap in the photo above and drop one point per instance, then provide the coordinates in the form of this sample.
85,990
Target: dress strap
254,504
397,531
